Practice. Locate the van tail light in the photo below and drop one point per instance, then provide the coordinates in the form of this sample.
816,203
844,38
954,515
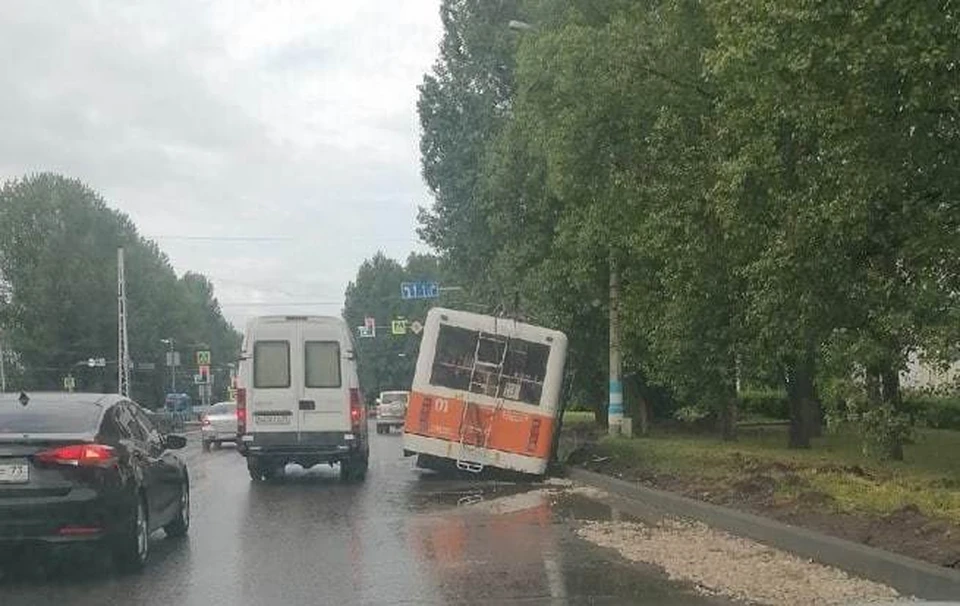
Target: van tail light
356,409
241,410
78,455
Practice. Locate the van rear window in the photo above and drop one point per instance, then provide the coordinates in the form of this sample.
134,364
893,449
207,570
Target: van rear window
271,364
322,363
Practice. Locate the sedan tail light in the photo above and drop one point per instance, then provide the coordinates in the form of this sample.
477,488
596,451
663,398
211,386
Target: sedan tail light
79,455
204,421
74,531
241,410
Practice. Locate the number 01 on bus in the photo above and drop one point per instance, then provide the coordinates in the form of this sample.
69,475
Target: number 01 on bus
486,393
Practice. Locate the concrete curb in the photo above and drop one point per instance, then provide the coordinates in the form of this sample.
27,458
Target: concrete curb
908,576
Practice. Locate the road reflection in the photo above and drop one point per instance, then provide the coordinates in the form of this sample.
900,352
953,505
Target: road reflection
491,549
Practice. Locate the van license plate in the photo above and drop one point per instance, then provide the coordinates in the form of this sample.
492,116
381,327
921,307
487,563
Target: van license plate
273,419
14,473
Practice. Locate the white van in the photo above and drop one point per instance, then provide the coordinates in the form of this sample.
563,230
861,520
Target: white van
298,399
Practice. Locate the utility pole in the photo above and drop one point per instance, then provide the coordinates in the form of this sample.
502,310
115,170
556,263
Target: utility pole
172,363
123,351
615,403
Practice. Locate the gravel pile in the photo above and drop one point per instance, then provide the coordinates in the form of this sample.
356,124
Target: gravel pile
719,563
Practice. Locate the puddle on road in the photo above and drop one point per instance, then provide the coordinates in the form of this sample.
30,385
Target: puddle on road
461,494
583,508
497,543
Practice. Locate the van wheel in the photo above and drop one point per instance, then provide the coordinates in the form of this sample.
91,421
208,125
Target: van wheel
253,467
353,470
273,472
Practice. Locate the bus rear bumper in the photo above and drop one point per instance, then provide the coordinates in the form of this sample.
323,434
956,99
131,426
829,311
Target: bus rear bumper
446,449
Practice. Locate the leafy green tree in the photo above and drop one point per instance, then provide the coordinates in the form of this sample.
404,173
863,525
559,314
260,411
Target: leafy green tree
776,182
387,361
839,156
58,251
463,103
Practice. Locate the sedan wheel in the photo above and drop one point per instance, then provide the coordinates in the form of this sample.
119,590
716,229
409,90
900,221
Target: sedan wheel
181,524
133,546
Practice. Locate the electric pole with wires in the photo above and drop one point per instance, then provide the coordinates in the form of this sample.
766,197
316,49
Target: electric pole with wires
123,353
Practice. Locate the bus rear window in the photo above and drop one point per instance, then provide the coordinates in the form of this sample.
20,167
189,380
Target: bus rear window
489,364
322,364
271,364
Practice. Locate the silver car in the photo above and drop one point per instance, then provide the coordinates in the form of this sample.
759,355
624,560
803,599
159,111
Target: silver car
219,424
391,410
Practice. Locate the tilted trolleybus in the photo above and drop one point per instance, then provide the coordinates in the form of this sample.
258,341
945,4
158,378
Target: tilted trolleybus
486,393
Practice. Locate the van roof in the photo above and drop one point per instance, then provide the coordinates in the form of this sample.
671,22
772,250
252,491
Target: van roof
335,320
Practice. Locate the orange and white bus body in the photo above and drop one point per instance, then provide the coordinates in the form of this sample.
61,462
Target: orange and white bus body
486,392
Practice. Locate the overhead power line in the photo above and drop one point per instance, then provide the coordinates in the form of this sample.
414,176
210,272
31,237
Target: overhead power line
262,304
227,238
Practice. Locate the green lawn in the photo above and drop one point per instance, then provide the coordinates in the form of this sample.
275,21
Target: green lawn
929,478
577,418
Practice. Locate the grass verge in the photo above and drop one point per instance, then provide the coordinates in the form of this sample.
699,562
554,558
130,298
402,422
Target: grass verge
831,476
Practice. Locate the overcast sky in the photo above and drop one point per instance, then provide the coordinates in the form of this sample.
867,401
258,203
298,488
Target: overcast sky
286,119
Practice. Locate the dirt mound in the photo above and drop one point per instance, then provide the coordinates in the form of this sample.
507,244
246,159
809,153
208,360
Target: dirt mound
778,491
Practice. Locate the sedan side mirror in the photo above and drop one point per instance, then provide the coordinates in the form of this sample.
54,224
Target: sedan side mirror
174,441
378,402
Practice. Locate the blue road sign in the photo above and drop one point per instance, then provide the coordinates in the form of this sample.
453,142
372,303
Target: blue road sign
419,290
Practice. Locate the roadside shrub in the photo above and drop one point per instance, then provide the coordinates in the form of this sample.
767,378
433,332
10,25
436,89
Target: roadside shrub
883,431
691,414
938,412
770,403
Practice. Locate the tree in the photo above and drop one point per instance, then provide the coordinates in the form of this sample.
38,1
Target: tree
58,247
463,103
831,191
387,361
776,183
604,161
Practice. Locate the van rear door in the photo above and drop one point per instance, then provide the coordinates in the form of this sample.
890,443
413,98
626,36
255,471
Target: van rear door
324,403
273,399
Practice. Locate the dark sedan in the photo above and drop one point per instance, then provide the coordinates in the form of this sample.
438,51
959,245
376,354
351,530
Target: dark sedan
88,467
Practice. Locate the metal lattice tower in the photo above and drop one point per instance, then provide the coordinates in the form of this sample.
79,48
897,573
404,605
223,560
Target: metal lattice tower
123,352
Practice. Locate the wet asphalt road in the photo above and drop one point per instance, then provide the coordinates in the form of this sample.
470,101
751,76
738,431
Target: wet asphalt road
402,537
